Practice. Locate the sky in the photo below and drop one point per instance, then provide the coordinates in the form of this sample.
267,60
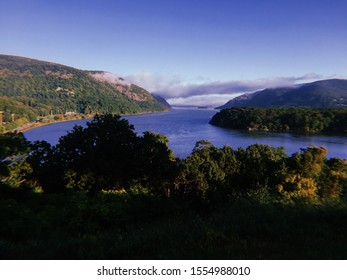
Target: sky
192,52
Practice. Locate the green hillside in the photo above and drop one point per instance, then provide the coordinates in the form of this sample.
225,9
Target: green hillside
31,88
293,119
326,93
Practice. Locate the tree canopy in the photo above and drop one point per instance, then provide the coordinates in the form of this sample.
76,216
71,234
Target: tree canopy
303,120
107,155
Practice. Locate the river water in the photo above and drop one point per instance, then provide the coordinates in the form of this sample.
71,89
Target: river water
184,127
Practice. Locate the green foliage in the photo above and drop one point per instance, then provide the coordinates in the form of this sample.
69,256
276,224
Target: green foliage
256,203
262,173
155,162
303,120
13,152
48,172
106,155
200,173
12,144
32,88
99,156
261,166
334,179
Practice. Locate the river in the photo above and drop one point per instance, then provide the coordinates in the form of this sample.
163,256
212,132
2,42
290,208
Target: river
184,127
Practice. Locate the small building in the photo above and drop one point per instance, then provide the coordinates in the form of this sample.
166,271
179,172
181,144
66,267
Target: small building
70,113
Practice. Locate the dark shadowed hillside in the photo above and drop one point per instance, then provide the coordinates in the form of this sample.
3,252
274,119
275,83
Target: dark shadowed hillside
326,93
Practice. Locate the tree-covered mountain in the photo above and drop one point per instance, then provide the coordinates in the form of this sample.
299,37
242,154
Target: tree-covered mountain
30,88
326,93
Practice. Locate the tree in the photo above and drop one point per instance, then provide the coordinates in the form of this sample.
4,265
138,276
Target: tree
333,180
13,152
47,167
305,172
105,155
309,162
261,167
99,156
200,173
156,163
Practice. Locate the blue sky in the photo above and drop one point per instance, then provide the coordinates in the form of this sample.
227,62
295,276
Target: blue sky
191,51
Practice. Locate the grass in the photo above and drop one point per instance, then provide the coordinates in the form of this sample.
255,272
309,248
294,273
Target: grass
113,226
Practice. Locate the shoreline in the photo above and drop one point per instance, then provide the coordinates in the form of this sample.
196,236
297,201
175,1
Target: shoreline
33,125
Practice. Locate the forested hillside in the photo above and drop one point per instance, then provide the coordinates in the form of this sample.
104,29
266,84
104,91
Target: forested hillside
31,88
303,120
325,93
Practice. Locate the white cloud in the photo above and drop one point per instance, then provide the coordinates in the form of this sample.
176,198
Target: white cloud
110,78
179,92
210,100
153,82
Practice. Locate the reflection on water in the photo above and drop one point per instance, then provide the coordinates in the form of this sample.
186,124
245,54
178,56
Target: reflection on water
184,127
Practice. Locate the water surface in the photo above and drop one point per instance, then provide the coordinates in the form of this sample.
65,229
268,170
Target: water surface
184,127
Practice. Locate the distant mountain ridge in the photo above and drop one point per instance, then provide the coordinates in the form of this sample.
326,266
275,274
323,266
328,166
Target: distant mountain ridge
325,93
30,88
162,100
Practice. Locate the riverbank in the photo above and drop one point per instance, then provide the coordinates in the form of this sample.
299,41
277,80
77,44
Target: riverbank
48,121
61,119
184,127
